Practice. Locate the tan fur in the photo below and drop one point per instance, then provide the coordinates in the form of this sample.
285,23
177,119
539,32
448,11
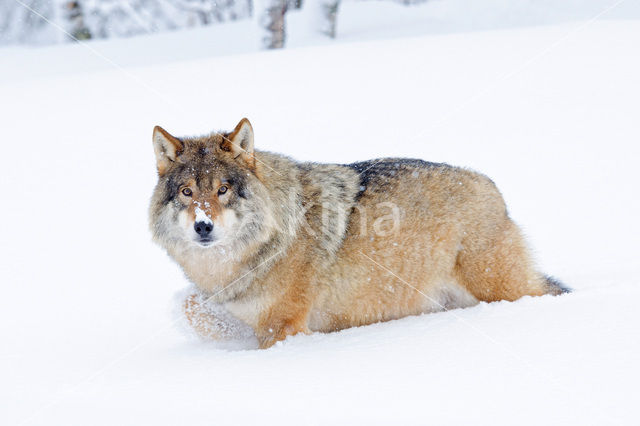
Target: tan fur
167,148
338,246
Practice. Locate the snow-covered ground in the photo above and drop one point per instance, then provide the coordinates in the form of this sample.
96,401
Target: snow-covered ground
550,112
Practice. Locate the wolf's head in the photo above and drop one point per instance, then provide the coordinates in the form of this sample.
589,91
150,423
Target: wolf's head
208,192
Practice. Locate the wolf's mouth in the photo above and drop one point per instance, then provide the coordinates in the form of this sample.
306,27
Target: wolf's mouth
205,242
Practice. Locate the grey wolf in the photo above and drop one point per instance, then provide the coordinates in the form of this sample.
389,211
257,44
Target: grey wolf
290,247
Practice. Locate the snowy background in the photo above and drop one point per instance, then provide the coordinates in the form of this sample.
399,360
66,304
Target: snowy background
542,96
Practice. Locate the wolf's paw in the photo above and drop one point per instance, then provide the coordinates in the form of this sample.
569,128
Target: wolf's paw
211,321
271,335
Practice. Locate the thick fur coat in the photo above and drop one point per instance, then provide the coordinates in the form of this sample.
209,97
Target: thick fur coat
290,247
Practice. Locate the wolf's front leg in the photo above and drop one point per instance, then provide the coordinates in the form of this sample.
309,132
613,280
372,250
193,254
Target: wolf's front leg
287,295
287,317
274,329
211,321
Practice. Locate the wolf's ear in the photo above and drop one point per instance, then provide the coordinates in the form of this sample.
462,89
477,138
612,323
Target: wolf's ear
166,147
240,143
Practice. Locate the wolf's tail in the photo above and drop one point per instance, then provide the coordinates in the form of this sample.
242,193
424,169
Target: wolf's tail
555,286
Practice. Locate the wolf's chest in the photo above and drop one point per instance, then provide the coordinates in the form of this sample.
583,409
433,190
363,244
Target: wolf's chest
209,270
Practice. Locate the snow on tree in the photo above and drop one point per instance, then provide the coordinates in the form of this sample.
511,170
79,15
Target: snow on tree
85,19
270,16
18,24
109,18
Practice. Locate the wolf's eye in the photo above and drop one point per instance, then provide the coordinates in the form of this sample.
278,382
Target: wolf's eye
187,192
222,189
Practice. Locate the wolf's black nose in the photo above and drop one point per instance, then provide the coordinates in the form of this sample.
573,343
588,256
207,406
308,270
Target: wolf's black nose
203,228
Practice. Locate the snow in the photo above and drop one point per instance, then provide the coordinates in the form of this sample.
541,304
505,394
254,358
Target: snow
548,109
202,216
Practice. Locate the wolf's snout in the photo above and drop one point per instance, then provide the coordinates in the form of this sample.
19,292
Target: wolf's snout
203,228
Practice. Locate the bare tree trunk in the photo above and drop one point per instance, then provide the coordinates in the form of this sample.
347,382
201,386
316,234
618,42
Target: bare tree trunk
75,19
330,13
322,15
271,18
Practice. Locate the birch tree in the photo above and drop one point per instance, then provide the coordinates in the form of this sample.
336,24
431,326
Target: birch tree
322,15
270,18
73,17
328,14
